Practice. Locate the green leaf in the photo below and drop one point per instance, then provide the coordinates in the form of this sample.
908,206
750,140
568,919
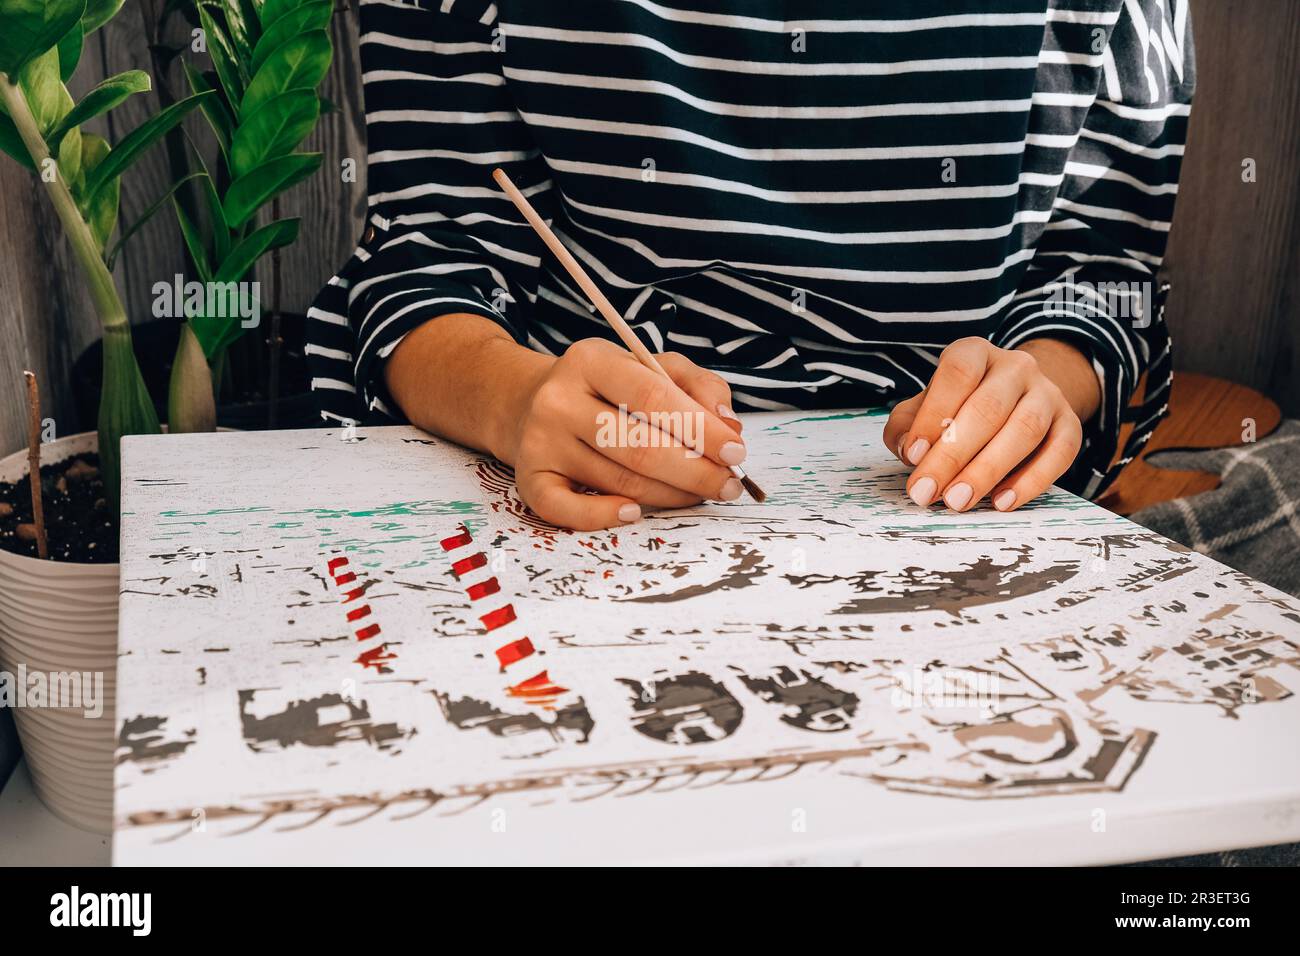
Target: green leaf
139,140
70,52
99,209
273,10
69,156
244,256
299,64
44,90
238,31
99,12
243,31
110,258
218,116
31,27
13,144
217,221
112,92
223,59
216,215
302,19
250,191
274,130
217,332
193,242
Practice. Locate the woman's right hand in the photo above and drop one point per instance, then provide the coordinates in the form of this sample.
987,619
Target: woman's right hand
561,432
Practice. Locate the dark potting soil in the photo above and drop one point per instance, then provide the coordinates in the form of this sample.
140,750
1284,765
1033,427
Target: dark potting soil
79,524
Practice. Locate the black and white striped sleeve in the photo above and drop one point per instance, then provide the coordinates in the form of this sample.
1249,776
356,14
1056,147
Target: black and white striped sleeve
1092,281
446,240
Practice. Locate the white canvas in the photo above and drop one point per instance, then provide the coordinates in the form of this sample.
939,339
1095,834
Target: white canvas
835,675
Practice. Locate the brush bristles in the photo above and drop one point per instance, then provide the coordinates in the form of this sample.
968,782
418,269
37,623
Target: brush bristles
755,492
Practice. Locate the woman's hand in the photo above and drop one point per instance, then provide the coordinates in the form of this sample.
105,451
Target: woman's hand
560,431
999,422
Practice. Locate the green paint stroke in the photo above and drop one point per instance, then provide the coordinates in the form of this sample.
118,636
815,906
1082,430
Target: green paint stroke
409,508
839,417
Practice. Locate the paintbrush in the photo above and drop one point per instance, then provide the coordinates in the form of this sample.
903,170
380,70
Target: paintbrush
602,304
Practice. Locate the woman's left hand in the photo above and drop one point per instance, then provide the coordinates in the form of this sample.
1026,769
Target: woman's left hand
994,422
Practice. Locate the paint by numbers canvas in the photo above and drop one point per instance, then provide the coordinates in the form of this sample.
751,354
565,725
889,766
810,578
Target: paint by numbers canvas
359,643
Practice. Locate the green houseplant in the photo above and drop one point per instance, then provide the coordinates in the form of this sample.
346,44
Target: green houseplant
40,127
260,100
60,616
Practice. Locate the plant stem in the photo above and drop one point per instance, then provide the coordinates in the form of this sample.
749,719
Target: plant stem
124,404
108,304
190,402
34,463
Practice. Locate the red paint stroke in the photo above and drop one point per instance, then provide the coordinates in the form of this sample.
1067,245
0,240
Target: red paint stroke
336,563
537,689
357,613
457,540
367,632
343,579
498,618
354,594
483,589
376,658
515,651
465,565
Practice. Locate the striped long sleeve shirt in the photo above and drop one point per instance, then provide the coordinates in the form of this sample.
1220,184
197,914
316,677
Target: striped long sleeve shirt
811,198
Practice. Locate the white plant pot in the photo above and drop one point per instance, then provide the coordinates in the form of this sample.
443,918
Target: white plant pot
62,617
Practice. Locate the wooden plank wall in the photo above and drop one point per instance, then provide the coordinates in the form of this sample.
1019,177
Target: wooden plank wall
1234,254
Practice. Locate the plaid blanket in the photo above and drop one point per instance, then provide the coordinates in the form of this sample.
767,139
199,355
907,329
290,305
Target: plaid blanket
1251,522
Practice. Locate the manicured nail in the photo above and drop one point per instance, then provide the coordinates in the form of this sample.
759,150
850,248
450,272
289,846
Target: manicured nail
629,513
732,453
731,490
1004,500
899,450
724,411
917,451
958,496
923,491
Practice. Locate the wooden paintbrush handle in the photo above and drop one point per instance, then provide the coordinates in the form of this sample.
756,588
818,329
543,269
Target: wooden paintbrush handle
579,275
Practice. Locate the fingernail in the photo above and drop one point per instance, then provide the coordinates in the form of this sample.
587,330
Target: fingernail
724,411
732,453
629,513
923,491
1004,500
899,450
731,490
958,496
917,451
